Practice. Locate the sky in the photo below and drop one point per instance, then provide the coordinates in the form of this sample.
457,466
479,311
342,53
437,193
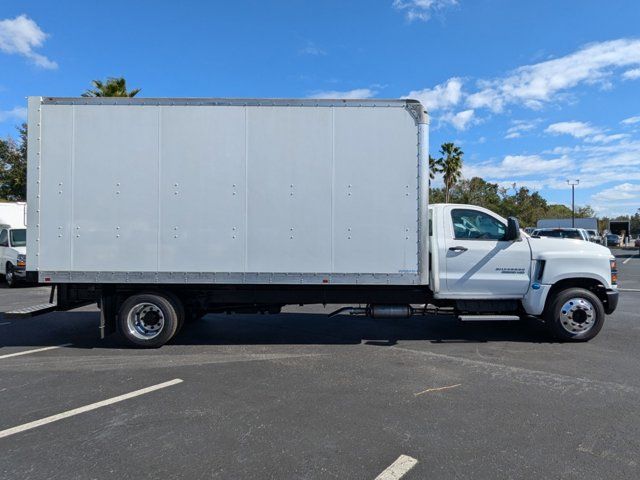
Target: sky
535,93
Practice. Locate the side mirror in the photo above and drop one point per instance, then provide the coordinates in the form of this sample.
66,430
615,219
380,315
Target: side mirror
513,230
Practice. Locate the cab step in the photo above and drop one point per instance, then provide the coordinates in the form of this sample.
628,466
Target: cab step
31,311
488,318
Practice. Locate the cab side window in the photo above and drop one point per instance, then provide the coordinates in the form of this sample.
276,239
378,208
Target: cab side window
476,225
4,238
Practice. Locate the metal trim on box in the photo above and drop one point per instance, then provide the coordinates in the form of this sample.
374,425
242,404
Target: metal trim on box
230,278
230,102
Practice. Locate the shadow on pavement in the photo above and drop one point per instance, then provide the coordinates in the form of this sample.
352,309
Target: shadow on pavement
81,329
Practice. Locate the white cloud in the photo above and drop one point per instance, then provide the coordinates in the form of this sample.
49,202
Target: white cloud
312,49
595,164
421,9
345,94
443,96
618,193
517,166
631,120
602,138
20,36
537,84
575,129
518,127
17,113
460,120
584,131
631,74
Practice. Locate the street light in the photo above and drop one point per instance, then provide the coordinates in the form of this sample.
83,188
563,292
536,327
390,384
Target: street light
573,184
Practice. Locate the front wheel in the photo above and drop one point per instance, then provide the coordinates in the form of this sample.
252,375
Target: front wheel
149,319
10,277
575,315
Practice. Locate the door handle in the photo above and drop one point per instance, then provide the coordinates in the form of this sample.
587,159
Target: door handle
458,249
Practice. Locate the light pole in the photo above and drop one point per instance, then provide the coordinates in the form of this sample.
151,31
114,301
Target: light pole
573,184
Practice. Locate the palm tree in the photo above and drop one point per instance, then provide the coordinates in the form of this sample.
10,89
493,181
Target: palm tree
450,165
113,87
433,168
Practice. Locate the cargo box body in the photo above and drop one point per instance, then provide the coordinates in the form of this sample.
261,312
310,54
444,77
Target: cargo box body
227,191
13,214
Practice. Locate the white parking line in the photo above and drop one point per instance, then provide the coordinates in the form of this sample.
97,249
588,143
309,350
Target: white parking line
86,408
5,323
27,352
629,258
398,469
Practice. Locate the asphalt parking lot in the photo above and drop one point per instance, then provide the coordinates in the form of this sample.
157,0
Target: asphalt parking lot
298,395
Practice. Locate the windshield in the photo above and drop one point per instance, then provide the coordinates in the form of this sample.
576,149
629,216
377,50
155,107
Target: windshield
559,234
18,237
592,232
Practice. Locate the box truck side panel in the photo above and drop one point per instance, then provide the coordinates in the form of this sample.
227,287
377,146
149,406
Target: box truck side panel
210,191
289,175
55,214
202,189
375,191
115,188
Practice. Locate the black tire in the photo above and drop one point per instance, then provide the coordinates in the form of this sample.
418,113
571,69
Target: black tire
180,309
10,278
140,314
574,315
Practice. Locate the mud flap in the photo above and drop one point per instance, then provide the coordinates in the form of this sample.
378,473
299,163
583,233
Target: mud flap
107,315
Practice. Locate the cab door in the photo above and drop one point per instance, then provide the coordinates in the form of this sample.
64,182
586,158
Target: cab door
479,263
4,245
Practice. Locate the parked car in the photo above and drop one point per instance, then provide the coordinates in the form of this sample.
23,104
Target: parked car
614,240
594,236
637,242
573,233
13,258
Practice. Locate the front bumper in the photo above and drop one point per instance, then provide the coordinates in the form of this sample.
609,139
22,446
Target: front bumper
612,301
20,272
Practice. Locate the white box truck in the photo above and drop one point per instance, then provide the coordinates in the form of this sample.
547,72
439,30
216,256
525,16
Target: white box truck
161,210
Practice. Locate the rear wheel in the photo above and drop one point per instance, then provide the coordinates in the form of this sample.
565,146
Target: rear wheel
149,319
575,315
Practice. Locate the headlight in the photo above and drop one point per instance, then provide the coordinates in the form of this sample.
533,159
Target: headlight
22,260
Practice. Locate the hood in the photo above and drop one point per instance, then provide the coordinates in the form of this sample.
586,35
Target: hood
545,247
20,250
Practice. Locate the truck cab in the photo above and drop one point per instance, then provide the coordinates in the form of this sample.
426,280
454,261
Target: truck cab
483,262
13,254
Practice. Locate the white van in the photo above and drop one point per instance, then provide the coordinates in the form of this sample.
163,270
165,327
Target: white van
13,241
13,254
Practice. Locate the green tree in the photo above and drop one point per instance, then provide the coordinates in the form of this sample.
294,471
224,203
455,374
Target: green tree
557,211
13,167
433,168
585,212
450,165
112,87
528,207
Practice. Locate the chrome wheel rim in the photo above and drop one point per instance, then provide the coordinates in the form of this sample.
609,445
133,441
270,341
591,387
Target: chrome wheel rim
9,277
577,315
145,321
